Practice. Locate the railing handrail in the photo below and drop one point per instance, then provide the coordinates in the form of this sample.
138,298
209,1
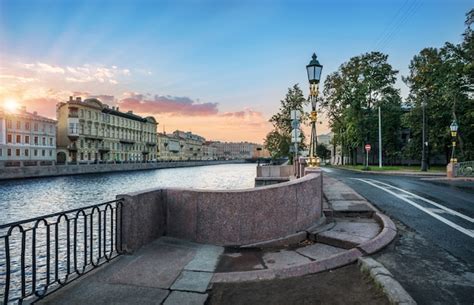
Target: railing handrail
11,224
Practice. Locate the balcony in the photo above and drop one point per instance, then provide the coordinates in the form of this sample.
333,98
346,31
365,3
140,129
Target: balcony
72,147
103,148
73,115
125,141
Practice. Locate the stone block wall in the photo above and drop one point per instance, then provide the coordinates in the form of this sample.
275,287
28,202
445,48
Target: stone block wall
228,218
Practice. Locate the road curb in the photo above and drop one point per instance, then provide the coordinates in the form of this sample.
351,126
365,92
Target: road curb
382,278
394,173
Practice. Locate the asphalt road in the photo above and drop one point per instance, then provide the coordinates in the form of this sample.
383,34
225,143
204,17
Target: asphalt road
433,255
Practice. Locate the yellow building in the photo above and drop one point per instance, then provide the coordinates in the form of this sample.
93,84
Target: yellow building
92,131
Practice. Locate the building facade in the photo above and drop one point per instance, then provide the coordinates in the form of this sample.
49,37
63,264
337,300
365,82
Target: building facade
26,136
238,150
90,131
180,145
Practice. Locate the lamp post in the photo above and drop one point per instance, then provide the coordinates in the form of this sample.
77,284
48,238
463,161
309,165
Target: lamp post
314,69
424,165
454,132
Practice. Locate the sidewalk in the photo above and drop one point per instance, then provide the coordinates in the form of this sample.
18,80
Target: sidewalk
172,271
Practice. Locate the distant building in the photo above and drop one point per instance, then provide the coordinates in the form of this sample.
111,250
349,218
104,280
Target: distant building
209,152
238,150
325,139
181,145
92,131
26,136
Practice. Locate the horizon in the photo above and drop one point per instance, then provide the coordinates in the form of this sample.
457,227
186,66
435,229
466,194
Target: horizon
217,70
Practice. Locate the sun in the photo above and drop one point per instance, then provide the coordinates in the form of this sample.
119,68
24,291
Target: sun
10,105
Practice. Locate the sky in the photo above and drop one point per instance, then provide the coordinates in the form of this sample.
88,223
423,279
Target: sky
216,68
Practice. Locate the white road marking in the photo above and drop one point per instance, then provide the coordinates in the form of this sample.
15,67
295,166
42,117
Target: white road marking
403,197
327,170
448,210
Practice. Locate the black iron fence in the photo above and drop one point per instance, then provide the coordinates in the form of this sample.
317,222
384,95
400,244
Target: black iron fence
40,255
464,169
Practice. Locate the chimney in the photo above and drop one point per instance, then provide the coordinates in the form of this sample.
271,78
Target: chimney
117,108
130,111
70,98
78,99
35,113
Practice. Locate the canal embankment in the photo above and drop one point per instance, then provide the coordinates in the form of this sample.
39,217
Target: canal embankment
20,172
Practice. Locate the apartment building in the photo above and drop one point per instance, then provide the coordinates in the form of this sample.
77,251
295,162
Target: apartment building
26,136
89,130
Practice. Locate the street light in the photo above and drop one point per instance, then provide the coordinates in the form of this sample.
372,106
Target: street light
454,132
314,69
424,165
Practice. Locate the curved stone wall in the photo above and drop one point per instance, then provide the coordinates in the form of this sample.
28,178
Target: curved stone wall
234,217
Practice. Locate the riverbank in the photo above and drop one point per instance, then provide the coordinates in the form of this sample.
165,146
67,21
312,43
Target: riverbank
9,173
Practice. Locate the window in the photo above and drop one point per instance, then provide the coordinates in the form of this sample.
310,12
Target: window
43,152
26,152
17,152
82,113
27,139
36,140
50,141
36,127
50,128
44,141
82,143
82,156
18,124
50,153
9,138
27,125
9,152
18,139
9,123
35,152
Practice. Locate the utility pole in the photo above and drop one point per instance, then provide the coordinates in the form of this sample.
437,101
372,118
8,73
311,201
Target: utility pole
380,138
424,166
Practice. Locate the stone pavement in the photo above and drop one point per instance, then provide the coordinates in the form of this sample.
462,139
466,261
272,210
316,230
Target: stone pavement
172,271
167,271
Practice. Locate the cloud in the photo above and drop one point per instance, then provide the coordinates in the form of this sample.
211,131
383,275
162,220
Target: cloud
79,74
144,103
40,67
20,79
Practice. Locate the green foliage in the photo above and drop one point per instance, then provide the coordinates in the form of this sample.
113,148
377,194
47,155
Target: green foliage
278,141
442,79
352,96
323,152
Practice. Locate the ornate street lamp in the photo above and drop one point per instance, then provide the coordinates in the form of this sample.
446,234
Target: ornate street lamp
314,69
454,132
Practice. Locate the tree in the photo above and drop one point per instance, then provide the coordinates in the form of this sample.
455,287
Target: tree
443,80
278,141
323,152
351,98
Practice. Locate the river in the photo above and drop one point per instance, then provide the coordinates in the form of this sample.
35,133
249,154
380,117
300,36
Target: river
27,198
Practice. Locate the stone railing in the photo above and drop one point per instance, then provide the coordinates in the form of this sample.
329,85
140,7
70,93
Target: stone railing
229,218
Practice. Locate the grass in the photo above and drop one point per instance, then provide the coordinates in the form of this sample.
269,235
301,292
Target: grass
414,168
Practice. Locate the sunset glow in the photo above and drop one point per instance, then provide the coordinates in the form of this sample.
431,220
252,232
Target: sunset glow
193,64
10,105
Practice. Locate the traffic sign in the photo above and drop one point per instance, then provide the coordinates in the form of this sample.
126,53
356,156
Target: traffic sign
295,124
367,147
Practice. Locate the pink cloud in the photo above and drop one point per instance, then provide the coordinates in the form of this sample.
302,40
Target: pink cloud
167,105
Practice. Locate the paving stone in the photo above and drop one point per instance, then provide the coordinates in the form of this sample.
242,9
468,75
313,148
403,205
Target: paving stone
340,239
362,229
284,259
185,298
205,259
157,266
319,251
192,281
350,206
94,293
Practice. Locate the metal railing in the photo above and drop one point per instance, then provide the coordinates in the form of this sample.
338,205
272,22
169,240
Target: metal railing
42,254
464,169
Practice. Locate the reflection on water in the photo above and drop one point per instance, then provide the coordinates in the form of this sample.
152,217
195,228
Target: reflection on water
27,198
